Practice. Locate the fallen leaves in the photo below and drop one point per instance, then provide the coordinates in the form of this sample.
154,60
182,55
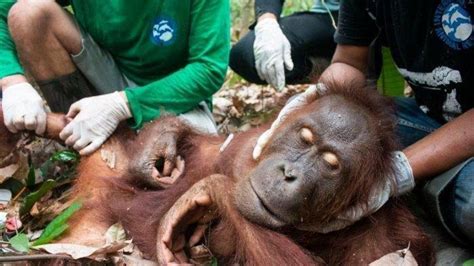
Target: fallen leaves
115,242
81,251
244,106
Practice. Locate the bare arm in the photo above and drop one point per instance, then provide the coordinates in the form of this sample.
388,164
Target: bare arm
349,64
443,149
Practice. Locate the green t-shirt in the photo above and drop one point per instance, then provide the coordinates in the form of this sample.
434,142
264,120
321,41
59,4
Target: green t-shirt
176,51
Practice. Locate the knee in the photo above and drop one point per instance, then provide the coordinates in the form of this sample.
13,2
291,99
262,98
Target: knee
242,62
23,13
237,55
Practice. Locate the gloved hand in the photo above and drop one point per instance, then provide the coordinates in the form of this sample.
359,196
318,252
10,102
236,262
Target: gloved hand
94,120
23,109
272,52
399,182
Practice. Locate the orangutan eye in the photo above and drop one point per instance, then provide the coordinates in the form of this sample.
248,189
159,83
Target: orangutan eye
331,159
307,135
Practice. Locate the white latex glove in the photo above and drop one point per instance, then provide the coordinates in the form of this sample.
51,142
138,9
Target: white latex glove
403,180
23,109
272,52
300,100
94,120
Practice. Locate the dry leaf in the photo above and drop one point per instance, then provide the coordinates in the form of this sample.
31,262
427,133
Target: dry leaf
115,234
7,172
399,258
108,157
132,261
80,251
73,250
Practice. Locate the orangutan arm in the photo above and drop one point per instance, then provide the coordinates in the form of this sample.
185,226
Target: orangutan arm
212,198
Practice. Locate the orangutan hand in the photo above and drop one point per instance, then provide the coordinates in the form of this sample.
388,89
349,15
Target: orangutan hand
158,163
196,207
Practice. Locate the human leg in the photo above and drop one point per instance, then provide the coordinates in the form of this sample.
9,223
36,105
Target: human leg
44,35
412,123
201,119
64,60
312,46
44,48
456,202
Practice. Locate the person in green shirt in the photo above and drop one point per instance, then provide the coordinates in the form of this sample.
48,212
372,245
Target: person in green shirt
111,61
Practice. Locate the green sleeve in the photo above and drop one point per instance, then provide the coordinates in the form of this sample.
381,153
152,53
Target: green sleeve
181,91
9,64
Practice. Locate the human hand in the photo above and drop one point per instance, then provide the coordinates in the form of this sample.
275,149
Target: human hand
94,119
272,52
23,108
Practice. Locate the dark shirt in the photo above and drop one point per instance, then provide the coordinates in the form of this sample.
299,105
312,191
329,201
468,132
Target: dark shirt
432,44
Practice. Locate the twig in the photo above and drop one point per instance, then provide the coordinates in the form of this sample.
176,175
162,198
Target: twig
33,257
18,195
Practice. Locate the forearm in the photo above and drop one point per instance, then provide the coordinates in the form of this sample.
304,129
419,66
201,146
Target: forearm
443,149
267,16
348,66
177,93
268,6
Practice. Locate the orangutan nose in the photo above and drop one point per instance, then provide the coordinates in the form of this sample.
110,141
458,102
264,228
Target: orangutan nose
290,174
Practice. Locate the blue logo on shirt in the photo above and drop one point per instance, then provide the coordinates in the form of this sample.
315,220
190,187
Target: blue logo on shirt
453,24
164,31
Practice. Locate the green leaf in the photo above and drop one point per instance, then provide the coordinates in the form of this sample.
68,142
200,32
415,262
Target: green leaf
32,198
53,235
214,261
20,242
58,225
65,156
469,263
31,178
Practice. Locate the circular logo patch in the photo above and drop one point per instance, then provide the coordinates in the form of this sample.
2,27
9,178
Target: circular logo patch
164,31
453,25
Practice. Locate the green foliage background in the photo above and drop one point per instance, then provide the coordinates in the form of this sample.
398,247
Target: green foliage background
243,13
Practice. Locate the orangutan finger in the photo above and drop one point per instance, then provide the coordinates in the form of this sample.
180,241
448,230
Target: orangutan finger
165,254
197,235
155,173
179,217
165,181
180,163
168,167
182,257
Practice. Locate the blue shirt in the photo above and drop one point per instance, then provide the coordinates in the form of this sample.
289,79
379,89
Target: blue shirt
323,6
